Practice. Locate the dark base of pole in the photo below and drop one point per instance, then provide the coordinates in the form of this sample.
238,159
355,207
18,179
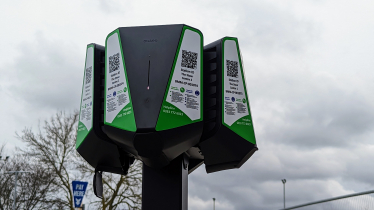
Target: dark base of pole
166,188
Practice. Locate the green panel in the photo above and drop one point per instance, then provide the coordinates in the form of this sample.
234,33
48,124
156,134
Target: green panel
243,126
125,115
82,129
174,116
170,116
125,118
81,134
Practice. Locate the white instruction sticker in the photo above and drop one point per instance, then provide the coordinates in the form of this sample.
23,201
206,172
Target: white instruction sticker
234,97
184,89
86,110
117,96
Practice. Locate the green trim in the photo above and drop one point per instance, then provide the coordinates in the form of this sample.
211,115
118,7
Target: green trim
131,126
80,135
174,120
201,69
242,124
121,116
161,125
250,136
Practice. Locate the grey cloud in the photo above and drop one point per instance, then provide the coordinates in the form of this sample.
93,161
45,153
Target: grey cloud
360,168
310,176
308,124
317,117
113,6
48,73
266,29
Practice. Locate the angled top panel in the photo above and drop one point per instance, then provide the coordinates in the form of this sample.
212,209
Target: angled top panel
149,54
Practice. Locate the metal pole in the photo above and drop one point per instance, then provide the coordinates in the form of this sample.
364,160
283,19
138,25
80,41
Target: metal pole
15,191
284,193
166,188
214,204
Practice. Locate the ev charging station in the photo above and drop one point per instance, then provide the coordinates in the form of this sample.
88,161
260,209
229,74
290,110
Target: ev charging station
156,94
228,140
92,143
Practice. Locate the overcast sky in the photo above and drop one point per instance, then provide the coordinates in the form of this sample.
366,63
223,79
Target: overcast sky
309,70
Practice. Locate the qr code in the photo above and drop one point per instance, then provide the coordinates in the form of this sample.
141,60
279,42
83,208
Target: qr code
88,74
113,63
189,59
232,68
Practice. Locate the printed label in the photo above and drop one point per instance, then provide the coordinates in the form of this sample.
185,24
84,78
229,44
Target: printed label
118,107
183,98
236,114
86,109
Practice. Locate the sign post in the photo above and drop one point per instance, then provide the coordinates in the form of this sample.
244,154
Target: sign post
79,189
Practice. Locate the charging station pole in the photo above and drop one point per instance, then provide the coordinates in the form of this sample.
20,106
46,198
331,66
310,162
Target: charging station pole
145,96
166,188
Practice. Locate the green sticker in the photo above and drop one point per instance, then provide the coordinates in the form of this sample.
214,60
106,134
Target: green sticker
86,108
119,111
236,112
183,100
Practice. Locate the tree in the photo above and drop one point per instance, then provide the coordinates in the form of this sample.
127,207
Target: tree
5,184
119,191
33,189
53,147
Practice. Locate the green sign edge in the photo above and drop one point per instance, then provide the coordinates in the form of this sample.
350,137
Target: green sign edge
244,83
128,86
172,73
80,107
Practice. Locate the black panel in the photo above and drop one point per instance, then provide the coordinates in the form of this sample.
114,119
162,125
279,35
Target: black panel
226,150
124,139
149,53
100,154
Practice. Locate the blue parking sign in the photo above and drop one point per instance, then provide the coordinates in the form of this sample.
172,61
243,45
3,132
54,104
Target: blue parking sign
79,189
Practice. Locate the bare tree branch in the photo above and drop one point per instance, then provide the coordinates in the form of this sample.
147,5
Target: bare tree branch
52,148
